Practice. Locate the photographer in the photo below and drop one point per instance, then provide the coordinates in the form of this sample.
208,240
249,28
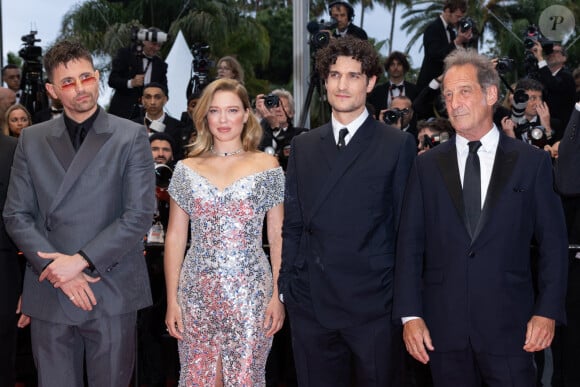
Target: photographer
558,82
432,132
400,115
343,13
440,38
277,112
531,121
11,76
134,67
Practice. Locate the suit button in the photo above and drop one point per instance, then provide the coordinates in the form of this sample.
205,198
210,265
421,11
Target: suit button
48,228
471,254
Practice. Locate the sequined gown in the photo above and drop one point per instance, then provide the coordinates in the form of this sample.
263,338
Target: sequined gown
226,280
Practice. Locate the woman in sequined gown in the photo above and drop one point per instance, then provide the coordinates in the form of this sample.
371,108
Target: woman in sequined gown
222,295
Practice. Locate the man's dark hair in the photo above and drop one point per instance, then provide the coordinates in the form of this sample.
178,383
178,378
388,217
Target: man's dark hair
398,56
163,137
530,84
64,52
454,5
157,85
9,66
360,50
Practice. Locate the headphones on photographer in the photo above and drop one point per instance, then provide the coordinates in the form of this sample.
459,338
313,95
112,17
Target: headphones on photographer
349,8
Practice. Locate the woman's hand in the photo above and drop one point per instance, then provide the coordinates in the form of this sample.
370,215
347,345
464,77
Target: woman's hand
174,321
274,318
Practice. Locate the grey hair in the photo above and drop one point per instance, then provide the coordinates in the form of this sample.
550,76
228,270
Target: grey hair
486,73
283,93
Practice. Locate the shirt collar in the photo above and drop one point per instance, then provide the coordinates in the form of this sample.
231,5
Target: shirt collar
352,126
489,141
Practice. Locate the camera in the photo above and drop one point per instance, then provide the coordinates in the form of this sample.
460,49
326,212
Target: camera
150,35
465,24
533,35
320,37
33,96
271,101
200,66
431,141
505,65
520,102
534,133
392,116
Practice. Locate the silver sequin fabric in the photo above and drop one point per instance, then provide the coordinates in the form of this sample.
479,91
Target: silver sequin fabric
226,280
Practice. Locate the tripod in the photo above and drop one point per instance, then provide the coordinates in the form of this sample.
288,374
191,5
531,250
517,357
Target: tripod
34,96
315,82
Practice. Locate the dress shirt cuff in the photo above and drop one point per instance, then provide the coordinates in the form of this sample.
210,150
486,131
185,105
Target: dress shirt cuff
434,84
129,86
542,63
409,318
577,106
87,260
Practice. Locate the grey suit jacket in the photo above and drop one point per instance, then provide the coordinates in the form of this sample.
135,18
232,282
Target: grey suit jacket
99,200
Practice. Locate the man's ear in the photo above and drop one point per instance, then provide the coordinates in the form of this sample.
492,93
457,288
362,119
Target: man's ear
50,90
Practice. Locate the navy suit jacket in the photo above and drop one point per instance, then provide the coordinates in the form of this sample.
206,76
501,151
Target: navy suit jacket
478,288
341,215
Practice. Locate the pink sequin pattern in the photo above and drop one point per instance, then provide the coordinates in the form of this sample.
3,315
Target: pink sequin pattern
226,279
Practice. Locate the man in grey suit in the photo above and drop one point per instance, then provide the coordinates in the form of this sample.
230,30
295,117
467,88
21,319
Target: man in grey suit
80,200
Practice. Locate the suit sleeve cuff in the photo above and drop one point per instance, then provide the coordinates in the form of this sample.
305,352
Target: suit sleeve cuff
87,260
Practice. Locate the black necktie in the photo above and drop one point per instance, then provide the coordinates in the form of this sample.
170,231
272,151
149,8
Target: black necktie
472,186
148,122
452,34
341,135
80,134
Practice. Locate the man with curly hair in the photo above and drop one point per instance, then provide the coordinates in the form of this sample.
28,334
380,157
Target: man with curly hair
344,187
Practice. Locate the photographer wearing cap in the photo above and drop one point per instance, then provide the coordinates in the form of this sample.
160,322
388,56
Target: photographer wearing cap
134,67
343,13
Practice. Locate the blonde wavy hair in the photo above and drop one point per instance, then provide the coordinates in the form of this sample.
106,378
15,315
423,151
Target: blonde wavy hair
6,125
252,131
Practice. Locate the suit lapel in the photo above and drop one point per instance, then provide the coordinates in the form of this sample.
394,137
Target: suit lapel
61,145
95,139
447,162
503,167
340,161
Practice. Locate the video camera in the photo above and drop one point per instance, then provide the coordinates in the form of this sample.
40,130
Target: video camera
392,116
320,37
33,97
200,65
140,35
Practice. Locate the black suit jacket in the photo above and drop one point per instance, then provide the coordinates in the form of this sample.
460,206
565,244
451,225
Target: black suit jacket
478,289
341,216
355,31
126,65
10,278
559,93
174,128
437,47
568,162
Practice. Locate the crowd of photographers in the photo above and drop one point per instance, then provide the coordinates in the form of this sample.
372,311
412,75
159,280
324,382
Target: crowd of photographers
536,110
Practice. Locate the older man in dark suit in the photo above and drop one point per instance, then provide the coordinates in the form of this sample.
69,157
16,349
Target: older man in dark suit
80,200
473,205
344,188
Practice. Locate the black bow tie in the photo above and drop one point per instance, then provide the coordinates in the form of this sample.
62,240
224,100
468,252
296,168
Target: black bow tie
400,87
